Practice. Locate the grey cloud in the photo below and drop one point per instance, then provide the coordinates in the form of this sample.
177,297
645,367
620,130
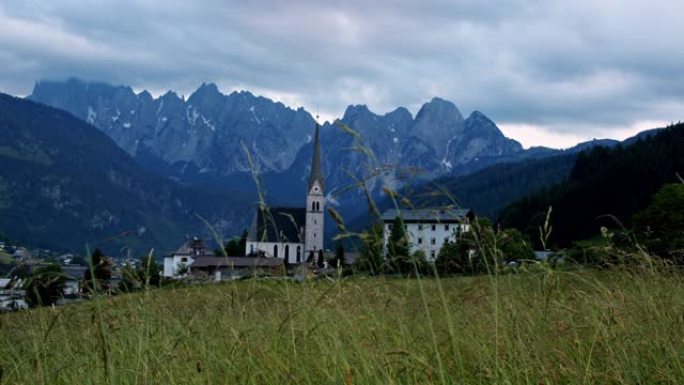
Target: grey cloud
566,65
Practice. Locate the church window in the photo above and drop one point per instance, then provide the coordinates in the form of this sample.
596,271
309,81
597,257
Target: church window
433,241
251,249
432,254
275,251
446,227
287,253
434,227
420,241
299,254
314,235
313,206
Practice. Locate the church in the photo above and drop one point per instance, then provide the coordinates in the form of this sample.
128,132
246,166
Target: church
293,234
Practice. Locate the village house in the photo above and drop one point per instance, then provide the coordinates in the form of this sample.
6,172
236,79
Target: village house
12,295
428,229
193,259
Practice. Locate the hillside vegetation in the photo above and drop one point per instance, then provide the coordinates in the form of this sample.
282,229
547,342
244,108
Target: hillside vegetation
605,184
64,183
547,327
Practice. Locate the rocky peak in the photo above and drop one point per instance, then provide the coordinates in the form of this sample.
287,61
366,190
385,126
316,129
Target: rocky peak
355,112
205,92
440,111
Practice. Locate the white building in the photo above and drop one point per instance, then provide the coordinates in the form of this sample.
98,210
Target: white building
293,234
429,229
178,264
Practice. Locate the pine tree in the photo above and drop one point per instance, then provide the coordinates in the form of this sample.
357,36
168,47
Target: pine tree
398,248
321,259
339,256
371,259
45,285
99,272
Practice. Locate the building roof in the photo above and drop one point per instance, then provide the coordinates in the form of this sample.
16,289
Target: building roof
278,224
237,262
191,244
74,271
428,215
316,170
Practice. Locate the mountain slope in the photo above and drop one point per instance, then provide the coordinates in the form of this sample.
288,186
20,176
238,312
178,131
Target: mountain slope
64,184
616,181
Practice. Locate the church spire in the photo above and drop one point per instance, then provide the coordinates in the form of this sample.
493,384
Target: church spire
316,171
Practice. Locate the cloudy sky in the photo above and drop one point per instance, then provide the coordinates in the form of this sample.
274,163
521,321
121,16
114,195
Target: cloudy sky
550,72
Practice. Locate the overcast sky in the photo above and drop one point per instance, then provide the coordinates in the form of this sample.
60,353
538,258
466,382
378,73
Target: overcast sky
547,72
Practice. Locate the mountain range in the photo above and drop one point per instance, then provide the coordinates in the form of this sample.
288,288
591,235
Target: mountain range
213,145
204,140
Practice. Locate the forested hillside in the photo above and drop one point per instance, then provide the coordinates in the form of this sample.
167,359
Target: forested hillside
490,190
63,184
605,184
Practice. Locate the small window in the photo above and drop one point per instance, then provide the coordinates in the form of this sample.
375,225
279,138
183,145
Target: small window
434,227
446,227
446,240
184,259
420,241
432,254
433,241
420,227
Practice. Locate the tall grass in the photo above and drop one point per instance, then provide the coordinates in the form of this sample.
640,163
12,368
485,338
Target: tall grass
593,327
540,327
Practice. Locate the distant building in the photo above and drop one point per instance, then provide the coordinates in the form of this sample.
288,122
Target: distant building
178,264
429,229
193,260
12,295
73,275
292,234
21,253
228,268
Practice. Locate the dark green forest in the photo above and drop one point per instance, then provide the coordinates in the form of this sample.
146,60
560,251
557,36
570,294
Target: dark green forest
488,191
606,187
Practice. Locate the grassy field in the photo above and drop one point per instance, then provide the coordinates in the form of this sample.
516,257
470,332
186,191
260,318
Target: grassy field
533,328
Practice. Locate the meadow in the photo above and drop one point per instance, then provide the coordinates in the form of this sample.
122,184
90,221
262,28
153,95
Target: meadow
538,327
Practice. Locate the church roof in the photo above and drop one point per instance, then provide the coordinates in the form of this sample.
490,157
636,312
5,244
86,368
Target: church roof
235,262
191,244
316,170
278,224
428,215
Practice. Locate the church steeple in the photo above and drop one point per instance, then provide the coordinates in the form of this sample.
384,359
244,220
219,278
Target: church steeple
315,203
316,170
